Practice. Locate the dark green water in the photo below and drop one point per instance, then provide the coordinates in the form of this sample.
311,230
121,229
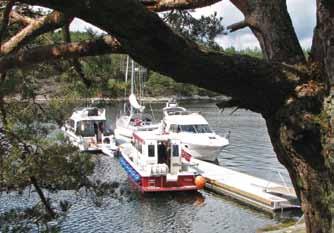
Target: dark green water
250,152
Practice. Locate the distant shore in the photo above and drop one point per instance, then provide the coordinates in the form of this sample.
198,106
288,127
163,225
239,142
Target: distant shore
156,99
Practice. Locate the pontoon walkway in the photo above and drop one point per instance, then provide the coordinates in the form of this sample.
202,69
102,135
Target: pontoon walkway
251,190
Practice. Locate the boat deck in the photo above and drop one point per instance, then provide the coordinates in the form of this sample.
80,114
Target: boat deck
251,190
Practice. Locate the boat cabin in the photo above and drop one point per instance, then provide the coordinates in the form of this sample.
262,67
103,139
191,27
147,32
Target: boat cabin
154,164
158,151
190,123
89,125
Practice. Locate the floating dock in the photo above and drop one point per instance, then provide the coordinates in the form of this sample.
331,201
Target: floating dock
256,192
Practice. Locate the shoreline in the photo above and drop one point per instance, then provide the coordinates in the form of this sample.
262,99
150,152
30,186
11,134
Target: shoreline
157,99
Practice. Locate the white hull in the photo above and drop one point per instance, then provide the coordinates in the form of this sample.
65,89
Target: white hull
108,149
193,130
123,135
202,152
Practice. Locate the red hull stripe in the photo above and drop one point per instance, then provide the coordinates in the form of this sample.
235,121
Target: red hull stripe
161,184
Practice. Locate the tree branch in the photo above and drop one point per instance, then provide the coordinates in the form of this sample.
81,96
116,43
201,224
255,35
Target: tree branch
35,28
25,58
15,17
166,5
153,44
237,26
75,62
323,40
5,19
45,202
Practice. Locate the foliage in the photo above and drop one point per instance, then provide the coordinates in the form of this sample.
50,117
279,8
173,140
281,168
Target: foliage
160,85
255,52
56,164
203,30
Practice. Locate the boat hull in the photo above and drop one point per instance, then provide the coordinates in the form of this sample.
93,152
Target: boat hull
123,135
108,149
203,152
147,184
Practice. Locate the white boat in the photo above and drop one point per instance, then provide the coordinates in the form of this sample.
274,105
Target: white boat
86,129
193,130
126,125
154,163
135,119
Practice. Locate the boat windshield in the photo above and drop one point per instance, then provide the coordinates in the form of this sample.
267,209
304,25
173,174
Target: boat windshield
85,129
91,128
175,110
194,128
203,129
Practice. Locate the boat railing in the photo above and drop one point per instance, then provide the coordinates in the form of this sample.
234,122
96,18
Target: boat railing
283,190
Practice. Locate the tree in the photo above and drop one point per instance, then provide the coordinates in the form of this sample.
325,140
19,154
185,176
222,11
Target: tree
294,95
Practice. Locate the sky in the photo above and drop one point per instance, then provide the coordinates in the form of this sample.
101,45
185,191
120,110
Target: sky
302,12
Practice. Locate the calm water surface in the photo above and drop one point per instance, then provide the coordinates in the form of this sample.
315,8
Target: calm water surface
250,152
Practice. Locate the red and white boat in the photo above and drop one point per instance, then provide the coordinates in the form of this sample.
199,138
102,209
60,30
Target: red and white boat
154,164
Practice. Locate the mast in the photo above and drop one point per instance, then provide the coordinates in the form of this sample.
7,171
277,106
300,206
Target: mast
127,68
132,82
126,79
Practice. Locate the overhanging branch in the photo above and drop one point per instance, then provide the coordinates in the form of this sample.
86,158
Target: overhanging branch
148,40
166,5
5,19
35,28
237,26
41,54
15,17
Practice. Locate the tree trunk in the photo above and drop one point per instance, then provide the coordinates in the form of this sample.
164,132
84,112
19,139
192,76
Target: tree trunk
303,138
270,22
323,41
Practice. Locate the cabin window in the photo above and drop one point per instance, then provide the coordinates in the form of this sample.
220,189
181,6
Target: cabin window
71,124
87,129
78,129
195,128
173,128
175,150
151,152
202,129
188,128
93,112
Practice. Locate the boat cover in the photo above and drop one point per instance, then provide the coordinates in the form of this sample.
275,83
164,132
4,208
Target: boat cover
134,103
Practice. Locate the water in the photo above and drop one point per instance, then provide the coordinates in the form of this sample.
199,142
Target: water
250,152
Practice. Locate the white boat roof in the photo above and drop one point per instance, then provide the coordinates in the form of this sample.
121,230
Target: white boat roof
174,110
152,135
188,119
89,114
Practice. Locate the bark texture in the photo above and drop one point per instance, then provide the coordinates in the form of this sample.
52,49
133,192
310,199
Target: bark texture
270,21
105,45
33,29
165,5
